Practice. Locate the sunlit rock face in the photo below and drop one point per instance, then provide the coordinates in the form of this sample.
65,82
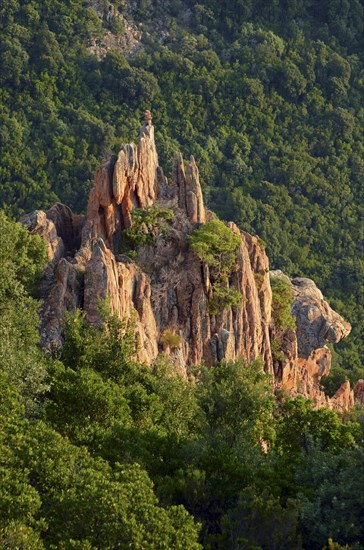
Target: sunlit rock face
306,357
167,287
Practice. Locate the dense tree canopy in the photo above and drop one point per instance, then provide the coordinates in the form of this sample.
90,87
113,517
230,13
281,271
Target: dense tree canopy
98,451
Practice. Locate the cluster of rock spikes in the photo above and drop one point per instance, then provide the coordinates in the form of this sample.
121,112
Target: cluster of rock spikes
166,288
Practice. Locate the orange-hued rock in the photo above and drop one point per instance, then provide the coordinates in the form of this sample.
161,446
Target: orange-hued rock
343,398
129,180
187,180
359,392
306,357
38,223
260,267
168,288
317,323
68,226
102,211
134,182
128,292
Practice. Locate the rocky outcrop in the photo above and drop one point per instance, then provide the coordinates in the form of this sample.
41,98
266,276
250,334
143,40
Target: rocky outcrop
317,323
167,289
127,181
359,392
128,291
38,223
306,357
187,180
61,288
121,33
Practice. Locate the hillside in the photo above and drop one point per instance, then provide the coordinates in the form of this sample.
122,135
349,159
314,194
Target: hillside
119,436
272,112
172,413
196,289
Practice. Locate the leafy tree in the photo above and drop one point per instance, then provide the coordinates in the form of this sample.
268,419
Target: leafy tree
22,257
332,502
217,245
146,224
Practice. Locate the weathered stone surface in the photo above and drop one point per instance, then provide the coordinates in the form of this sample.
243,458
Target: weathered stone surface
135,179
168,286
103,214
61,287
317,323
306,358
38,223
128,291
60,294
343,398
187,179
359,391
68,226
129,180
260,267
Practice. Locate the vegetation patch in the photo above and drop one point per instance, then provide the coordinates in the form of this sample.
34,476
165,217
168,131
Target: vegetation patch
259,278
282,317
146,224
282,304
217,245
170,339
222,297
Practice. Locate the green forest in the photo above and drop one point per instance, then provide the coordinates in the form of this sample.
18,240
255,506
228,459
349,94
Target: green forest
100,452
268,97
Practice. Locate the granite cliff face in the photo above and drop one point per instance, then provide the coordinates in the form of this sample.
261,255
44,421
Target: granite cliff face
167,288
306,357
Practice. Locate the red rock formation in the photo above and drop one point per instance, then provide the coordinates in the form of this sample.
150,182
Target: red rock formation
127,181
306,358
61,287
187,180
38,223
169,287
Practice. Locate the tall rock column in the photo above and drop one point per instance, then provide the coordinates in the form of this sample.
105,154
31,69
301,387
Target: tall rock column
190,198
135,177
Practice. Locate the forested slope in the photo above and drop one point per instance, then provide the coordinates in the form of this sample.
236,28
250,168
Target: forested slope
99,451
268,99
96,450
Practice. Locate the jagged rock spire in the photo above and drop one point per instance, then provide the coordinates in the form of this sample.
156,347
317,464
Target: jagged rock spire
187,179
175,295
126,181
148,118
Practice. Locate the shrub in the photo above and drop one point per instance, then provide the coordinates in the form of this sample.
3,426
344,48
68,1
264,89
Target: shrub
147,222
116,26
217,245
259,278
223,297
170,339
262,244
282,316
282,304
